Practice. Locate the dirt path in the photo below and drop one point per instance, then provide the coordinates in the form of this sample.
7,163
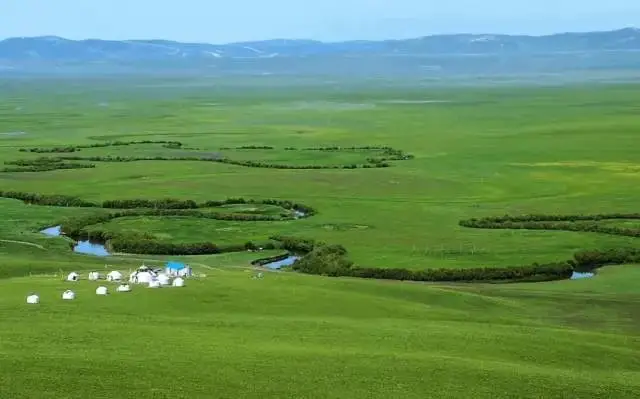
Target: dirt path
24,243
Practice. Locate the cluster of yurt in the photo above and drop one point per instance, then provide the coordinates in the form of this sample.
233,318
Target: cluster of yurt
172,276
177,269
158,278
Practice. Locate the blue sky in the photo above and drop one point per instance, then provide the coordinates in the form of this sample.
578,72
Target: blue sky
218,21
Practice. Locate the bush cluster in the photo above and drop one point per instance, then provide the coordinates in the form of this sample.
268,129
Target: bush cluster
592,259
42,164
48,200
296,244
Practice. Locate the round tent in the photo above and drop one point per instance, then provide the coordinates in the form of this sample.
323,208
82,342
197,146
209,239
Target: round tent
114,276
154,284
143,278
163,279
102,290
68,295
94,276
73,276
178,282
33,299
124,288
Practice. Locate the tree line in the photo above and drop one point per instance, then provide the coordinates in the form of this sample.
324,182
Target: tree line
586,223
332,261
164,203
74,148
370,163
43,164
154,247
66,162
75,227
587,260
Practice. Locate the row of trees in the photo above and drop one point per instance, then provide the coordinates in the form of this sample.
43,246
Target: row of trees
582,223
48,200
42,164
372,163
45,164
163,204
591,259
249,147
154,247
74,148
492,220
332,261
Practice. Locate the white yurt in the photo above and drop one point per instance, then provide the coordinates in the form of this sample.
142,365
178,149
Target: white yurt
124,288
178,282
73,276
114,276
133,277
154,284
163,279
94,276
33,299
143,277
68,295
102,290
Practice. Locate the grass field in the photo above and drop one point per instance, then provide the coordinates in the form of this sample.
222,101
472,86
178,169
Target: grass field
477,153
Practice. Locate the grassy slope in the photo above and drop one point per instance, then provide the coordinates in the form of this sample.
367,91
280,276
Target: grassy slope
228,336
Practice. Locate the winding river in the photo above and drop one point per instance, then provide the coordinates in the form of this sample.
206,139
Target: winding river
85,247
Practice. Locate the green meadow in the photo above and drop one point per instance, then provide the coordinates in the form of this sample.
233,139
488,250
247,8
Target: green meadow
474,153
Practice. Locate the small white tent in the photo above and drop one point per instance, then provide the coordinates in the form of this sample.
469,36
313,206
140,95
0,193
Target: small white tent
124,288
178,282
143,277
102,290
33,299
68,295
114,276
73,276
94,276
154,284
163,279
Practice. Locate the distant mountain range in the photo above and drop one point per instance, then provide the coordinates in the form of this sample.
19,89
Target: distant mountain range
619,47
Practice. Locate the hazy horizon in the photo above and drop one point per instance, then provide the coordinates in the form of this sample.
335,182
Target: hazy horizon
329,20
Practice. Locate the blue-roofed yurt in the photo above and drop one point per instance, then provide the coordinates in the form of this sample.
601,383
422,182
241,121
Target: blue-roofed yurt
177,269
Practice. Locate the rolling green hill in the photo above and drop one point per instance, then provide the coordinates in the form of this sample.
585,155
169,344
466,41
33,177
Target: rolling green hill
475,153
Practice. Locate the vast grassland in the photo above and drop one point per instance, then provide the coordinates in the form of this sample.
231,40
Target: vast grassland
476,153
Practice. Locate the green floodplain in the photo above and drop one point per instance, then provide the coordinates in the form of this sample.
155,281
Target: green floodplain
401,178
